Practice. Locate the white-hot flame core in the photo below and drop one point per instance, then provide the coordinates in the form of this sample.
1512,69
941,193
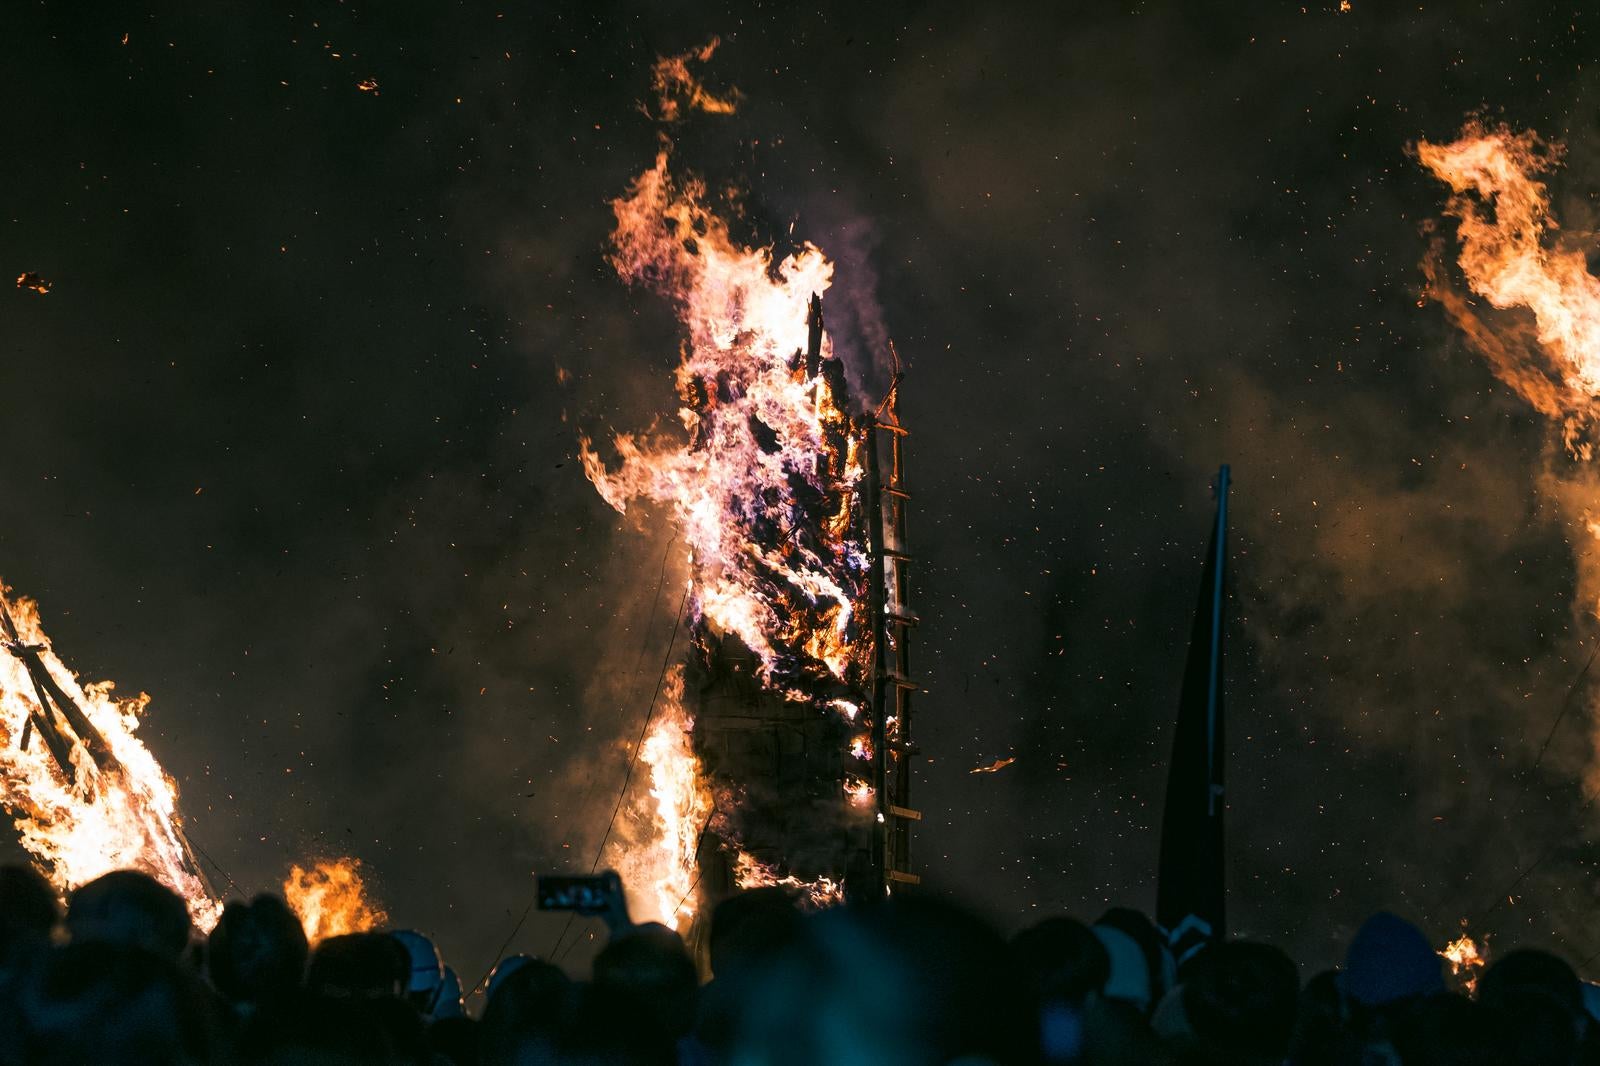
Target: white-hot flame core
129,818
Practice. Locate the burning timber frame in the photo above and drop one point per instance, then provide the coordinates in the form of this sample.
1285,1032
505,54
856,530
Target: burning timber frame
66,731
780,763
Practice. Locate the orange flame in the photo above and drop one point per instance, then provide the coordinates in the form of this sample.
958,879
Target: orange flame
331,899
749,872
678,90
1509,258
123,815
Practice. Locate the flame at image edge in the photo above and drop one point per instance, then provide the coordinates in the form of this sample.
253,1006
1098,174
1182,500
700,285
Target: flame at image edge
122,817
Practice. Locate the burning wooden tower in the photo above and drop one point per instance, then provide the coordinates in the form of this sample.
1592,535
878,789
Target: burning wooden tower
809,761
781,752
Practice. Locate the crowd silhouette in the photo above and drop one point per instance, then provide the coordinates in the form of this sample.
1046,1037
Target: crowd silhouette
120,977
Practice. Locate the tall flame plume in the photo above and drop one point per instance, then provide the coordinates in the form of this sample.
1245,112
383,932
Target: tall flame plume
760,479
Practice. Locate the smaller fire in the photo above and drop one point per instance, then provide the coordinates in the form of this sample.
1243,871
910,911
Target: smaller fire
331,899
861,748
1466,960
32,282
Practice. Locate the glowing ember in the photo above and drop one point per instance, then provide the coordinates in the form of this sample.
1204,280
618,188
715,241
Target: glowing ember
1466,960
117,809
994,767
331,899
32,282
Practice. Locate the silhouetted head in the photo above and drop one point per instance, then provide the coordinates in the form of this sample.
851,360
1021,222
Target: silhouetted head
1447,1030
257,951
505,968
528,999
1390,960
311,1030
111,1004
1319,1024
1061,960
914,980
751,926
425,970
1530,972
650,970
28,911
455,1040
131,908
1540,1003
598,1030
448,1000
1240,998
359,966
1145,973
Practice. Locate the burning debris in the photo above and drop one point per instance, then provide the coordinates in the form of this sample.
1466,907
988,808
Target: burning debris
994,767
31,282
1466,960
775,772
679,91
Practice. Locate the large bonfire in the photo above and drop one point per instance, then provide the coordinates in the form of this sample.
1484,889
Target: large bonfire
761,483
109,814
117,808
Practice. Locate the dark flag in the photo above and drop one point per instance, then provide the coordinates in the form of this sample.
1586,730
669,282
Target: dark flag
1190,893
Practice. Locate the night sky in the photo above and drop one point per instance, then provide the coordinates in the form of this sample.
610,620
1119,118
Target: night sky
285,444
